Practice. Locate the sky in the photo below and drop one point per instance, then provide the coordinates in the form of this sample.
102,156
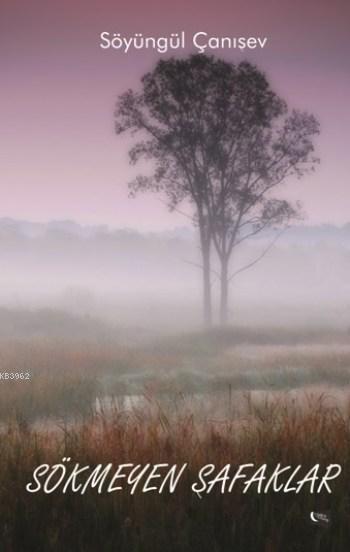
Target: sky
60,157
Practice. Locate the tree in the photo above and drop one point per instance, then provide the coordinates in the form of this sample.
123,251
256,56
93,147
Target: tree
175,112
221,139
271,147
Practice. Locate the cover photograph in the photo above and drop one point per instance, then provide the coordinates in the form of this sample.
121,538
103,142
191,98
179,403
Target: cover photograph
175,276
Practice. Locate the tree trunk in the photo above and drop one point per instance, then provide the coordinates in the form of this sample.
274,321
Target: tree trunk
224,289
207,303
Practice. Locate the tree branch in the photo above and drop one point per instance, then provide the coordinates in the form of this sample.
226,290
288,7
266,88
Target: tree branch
201,267
261,256
176,210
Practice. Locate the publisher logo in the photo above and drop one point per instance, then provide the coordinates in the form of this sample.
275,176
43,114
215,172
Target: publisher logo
320,518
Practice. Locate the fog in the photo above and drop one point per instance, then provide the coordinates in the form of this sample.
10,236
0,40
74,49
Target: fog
153,281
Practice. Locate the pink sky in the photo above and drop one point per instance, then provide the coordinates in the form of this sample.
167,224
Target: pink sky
60,157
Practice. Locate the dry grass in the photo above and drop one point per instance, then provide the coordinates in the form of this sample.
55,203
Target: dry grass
67,376
305,430
234,397
226,397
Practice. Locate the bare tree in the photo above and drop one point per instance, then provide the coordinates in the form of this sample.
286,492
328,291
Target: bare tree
221,139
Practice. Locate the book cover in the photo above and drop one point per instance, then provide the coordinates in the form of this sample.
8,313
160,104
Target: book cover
174,276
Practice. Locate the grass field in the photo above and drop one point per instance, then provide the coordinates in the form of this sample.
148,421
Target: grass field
235,396
305,431
68,378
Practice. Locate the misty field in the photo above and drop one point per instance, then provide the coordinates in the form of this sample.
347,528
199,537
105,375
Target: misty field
239,395
89,367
